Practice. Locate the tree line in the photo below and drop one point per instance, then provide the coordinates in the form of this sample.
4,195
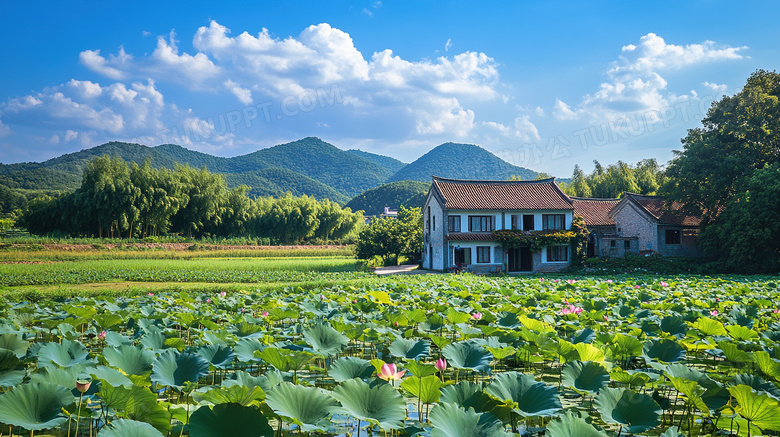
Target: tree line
117,199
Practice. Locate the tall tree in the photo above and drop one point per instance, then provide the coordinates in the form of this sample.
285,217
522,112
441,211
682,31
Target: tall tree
739,135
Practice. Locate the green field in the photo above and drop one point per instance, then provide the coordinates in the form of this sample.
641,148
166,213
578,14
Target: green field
289,345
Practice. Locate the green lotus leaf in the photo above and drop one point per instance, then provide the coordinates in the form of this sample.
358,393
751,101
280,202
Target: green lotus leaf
35,406
116,339
760,409
667,351
219,356
585,335
129,359
154,340
65,354
709,327
467,394
66,377
308,407
236,394
137,403
508,320
409,349
455,317
692,392
635,411
768,366
682,371
376,402
671,432
527,396
674,325
245,350
425,389
733,353
624,347
11,378
757,383
741,333
450,420
346,368
8,360
571,425
243,378
248,330
468,354
14,343
106,321
588,352
174,369
419,369
325,340
111,376
129,428
585,376
229,420
631,379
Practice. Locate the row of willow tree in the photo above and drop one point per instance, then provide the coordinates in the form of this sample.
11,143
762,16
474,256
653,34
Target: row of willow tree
117,199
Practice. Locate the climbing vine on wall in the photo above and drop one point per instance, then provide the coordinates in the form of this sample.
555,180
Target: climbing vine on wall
535,240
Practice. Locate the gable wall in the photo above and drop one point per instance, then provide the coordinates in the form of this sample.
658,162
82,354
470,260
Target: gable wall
631,222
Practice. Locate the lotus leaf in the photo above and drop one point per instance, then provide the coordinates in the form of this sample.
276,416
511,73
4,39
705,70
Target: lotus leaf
129,359
527,396
571,425
129,428
308,407
586,376
346,368
376,402
635,411
409,349
35,406
468,354
229,420
450,420
175,369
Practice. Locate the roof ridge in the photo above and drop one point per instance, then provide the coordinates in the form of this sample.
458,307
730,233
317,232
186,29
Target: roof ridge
475,181
600,199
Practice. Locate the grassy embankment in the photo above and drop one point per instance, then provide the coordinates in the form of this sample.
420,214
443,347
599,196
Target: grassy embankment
64,271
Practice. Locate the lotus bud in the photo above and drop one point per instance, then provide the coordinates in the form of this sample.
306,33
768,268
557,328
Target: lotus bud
102,335
82,385
476,316
265,313
441,364
223,293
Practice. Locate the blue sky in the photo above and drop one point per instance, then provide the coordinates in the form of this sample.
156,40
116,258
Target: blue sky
544,85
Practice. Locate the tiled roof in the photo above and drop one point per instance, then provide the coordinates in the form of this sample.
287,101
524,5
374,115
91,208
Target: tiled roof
502,195
470,236
654,205
595,211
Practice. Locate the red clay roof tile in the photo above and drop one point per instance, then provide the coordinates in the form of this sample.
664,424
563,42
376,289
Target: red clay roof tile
595,211
502,195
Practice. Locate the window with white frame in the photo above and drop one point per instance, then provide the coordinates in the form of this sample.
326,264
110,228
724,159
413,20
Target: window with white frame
553,221
483,254
557,253
453,223
480,223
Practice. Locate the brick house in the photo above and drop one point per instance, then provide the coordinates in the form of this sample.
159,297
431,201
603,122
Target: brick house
460,217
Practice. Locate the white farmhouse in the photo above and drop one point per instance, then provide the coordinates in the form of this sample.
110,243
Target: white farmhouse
460,218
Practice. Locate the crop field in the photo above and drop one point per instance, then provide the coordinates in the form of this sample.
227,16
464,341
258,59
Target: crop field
437,355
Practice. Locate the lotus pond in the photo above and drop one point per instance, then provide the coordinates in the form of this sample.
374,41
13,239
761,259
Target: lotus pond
429,355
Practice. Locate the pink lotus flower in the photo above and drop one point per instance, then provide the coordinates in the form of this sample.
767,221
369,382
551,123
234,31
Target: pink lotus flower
322,297
265,314
571,309
609,281
102,335
389,373
476,316
663,284
776,311
571,281
223,293
354,300
717,299
541,279
637,286
606,319
441,364
208,300
151,294
714,312
395,324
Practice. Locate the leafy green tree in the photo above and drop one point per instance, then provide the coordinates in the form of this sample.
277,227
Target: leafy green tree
108,192
390,237
205,194
747,235
738,136
579,185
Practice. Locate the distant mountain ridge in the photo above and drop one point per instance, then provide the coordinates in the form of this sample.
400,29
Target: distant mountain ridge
308,166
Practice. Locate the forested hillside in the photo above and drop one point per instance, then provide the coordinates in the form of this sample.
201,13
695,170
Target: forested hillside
410,194
460,161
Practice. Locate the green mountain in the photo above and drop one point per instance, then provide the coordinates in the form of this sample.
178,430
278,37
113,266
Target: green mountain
387,162
460,161
407,193
346,172
277,182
